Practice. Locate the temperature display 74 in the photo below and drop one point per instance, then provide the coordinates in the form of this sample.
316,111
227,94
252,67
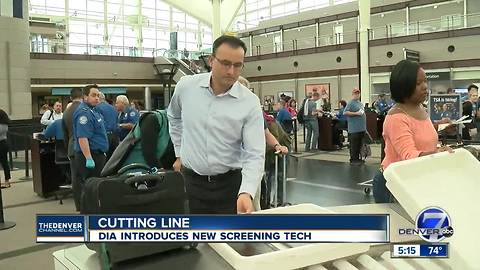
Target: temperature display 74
419,250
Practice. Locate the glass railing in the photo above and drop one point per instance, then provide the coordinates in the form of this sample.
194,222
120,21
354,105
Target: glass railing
305,43
196,61
181,54
88,49
445,23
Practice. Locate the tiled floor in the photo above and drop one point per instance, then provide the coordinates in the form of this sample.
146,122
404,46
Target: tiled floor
310,179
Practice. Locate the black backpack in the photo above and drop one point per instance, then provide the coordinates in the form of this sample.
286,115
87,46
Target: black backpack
301,113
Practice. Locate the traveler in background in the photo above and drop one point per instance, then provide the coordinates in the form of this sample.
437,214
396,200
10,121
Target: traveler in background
269,138
220,147
4,121
340,124
43,109
140,105
408,131
326,106
127,116
470,109
109,114
381,105
318,102
244,81
90,136
292,107
283,116
311,122
51,115
340,116
357,125
76,97
137,105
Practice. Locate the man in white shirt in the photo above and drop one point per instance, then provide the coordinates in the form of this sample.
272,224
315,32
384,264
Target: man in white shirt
50,116
219,144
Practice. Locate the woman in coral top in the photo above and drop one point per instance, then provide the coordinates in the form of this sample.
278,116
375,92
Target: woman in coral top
408,131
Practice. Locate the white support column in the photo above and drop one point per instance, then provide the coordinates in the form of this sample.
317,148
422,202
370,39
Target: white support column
170,24
465,11
156,30
123,26
86,26
317,34
199,36
139,29
407,19
297,91
250,38
339,93
67,26
105,26
148,99
270,9
364,10
281,40
216,23
166,95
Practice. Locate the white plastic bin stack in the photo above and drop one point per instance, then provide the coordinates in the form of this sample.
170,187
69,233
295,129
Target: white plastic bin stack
446,180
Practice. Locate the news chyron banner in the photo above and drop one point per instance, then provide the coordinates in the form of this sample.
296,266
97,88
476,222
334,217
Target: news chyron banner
221,228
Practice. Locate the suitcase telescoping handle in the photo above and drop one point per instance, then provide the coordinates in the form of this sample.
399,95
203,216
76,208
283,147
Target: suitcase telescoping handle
134,166
144,178
284,178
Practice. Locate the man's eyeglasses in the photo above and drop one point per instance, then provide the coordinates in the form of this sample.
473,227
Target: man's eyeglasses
227,64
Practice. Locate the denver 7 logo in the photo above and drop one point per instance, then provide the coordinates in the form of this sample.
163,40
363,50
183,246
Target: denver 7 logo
434,224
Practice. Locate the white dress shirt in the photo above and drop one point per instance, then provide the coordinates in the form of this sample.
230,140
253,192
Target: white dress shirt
45,121
319,103
214,134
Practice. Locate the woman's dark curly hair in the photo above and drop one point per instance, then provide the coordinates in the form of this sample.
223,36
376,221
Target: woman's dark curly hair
4,119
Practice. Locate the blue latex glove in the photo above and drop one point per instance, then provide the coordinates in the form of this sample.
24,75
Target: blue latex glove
89,163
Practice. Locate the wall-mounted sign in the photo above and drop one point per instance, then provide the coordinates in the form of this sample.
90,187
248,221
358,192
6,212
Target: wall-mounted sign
65,91
411,55
438,76
445,106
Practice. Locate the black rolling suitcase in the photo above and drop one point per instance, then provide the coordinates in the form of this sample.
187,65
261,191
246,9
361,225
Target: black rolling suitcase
275,186
151,192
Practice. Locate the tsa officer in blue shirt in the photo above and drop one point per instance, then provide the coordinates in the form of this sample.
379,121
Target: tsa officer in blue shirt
127,116
109,114
90,137
54,130
381,105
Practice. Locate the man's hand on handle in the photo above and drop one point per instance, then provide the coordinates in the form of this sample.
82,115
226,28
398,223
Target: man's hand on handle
177,165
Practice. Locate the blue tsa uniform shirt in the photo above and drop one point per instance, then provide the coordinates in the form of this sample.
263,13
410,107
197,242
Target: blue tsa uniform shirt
54,130
109,114
88,123
129,116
